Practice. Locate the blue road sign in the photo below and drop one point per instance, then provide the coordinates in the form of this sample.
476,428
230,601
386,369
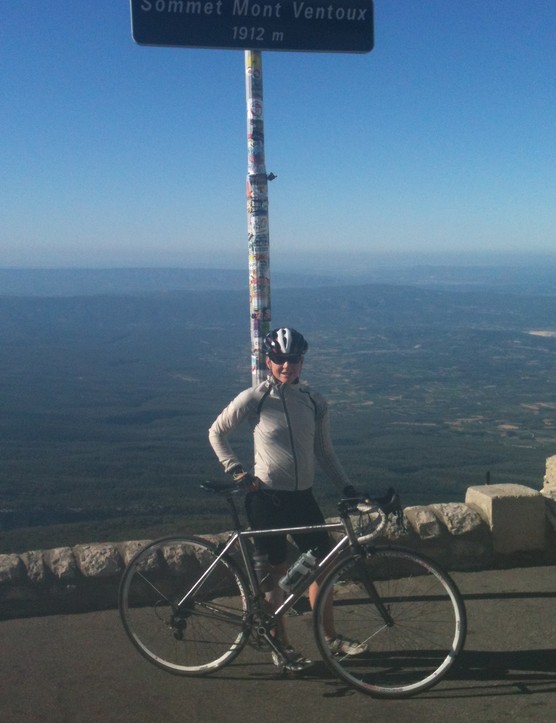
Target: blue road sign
334,26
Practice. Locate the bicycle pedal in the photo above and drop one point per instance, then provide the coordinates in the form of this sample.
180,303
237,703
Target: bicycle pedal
291,662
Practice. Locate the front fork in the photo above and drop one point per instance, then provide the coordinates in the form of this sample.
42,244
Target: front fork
369,586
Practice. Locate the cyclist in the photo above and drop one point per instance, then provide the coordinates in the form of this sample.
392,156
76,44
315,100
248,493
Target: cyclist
290,424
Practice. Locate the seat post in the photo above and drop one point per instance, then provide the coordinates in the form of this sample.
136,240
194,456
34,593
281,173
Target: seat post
233,510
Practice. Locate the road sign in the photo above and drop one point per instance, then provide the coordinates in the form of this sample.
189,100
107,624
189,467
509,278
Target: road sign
341,26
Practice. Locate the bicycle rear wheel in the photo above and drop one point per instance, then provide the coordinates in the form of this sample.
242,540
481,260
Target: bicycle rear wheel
194,636
416,646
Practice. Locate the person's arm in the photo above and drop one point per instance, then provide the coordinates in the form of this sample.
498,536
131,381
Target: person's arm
324,451
226,422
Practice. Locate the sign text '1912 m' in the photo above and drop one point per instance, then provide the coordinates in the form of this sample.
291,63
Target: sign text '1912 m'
344,26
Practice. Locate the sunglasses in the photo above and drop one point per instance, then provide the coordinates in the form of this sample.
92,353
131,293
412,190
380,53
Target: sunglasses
283,358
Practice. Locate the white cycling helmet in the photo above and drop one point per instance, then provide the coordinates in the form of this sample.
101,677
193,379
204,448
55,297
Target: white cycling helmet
285,342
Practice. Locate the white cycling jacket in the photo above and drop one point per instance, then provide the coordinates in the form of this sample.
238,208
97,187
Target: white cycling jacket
290,424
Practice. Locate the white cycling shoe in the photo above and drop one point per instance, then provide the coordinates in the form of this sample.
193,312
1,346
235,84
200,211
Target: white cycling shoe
345,646
291,661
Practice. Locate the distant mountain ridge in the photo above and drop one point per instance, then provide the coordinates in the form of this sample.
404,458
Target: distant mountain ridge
368,306
91,282
531,276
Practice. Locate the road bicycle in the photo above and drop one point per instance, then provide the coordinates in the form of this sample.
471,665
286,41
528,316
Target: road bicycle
190,606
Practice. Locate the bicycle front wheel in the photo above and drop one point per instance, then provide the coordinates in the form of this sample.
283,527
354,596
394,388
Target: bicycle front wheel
407,612
185,610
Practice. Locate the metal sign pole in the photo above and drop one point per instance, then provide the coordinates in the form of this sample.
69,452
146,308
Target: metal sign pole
287,25
257,216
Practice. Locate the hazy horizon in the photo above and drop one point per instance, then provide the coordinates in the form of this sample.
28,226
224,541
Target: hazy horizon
527,274
344,261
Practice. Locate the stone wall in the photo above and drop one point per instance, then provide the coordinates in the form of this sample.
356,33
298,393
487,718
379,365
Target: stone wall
549,490
497,526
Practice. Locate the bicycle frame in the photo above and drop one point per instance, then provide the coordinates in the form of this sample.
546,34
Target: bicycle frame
387,621
239,538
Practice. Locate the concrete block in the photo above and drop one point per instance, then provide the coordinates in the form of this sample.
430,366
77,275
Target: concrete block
459,519
35,566
61,563
549,494
129,549
11,569
514,513
470,554
550,475
424,522
99,559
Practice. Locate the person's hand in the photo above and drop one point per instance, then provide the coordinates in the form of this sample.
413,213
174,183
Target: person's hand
350,492
247,482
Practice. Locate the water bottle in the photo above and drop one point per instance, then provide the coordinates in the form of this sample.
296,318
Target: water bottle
298,572
262,572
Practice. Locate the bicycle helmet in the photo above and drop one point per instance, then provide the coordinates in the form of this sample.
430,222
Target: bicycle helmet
285,341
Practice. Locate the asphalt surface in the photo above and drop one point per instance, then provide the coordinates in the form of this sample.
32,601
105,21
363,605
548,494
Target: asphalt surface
82,668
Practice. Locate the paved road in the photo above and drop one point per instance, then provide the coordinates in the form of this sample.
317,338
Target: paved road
82,669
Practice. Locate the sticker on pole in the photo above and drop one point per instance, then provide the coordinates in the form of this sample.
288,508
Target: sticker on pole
333,26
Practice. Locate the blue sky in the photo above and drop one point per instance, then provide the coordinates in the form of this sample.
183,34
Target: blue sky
440,141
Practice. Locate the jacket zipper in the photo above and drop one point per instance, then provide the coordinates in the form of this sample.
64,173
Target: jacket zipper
292,445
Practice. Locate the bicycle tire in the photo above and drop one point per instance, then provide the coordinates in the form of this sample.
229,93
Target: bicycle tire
427,629
209,630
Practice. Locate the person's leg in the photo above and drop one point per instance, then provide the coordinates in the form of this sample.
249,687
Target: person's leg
320,543
275,598
264,510
338,643
328,616
309,513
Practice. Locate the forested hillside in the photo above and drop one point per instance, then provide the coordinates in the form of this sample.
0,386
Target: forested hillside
106,399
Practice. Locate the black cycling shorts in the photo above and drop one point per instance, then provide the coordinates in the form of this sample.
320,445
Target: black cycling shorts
268,509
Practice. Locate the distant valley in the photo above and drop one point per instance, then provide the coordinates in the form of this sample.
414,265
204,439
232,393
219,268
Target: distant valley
107,397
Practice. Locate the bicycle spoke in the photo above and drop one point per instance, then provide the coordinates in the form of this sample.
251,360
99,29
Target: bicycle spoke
415,645
203,633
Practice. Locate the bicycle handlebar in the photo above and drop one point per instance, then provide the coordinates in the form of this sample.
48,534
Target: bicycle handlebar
364,504
378,507
220,487
388,503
